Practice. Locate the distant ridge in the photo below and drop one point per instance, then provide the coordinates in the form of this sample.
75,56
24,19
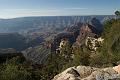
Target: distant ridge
24,23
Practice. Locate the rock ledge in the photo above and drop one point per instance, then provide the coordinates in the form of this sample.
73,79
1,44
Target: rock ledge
89,73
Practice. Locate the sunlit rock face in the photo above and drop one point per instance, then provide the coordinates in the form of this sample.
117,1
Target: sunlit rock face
86,31
117,68
88,73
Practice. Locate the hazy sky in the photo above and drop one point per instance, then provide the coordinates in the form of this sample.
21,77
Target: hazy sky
21,8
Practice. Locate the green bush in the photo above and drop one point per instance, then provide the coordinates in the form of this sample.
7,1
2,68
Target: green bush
11,70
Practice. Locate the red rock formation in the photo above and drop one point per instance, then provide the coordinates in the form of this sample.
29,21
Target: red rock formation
85,31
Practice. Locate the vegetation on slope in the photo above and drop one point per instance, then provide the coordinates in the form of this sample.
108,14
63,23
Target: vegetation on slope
109,53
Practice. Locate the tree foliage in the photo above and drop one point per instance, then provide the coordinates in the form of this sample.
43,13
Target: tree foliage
117,13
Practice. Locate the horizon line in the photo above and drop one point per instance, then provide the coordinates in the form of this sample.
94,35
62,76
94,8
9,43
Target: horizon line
59,16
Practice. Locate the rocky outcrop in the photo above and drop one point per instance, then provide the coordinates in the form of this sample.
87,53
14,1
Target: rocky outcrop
86,31
88,73
117,68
